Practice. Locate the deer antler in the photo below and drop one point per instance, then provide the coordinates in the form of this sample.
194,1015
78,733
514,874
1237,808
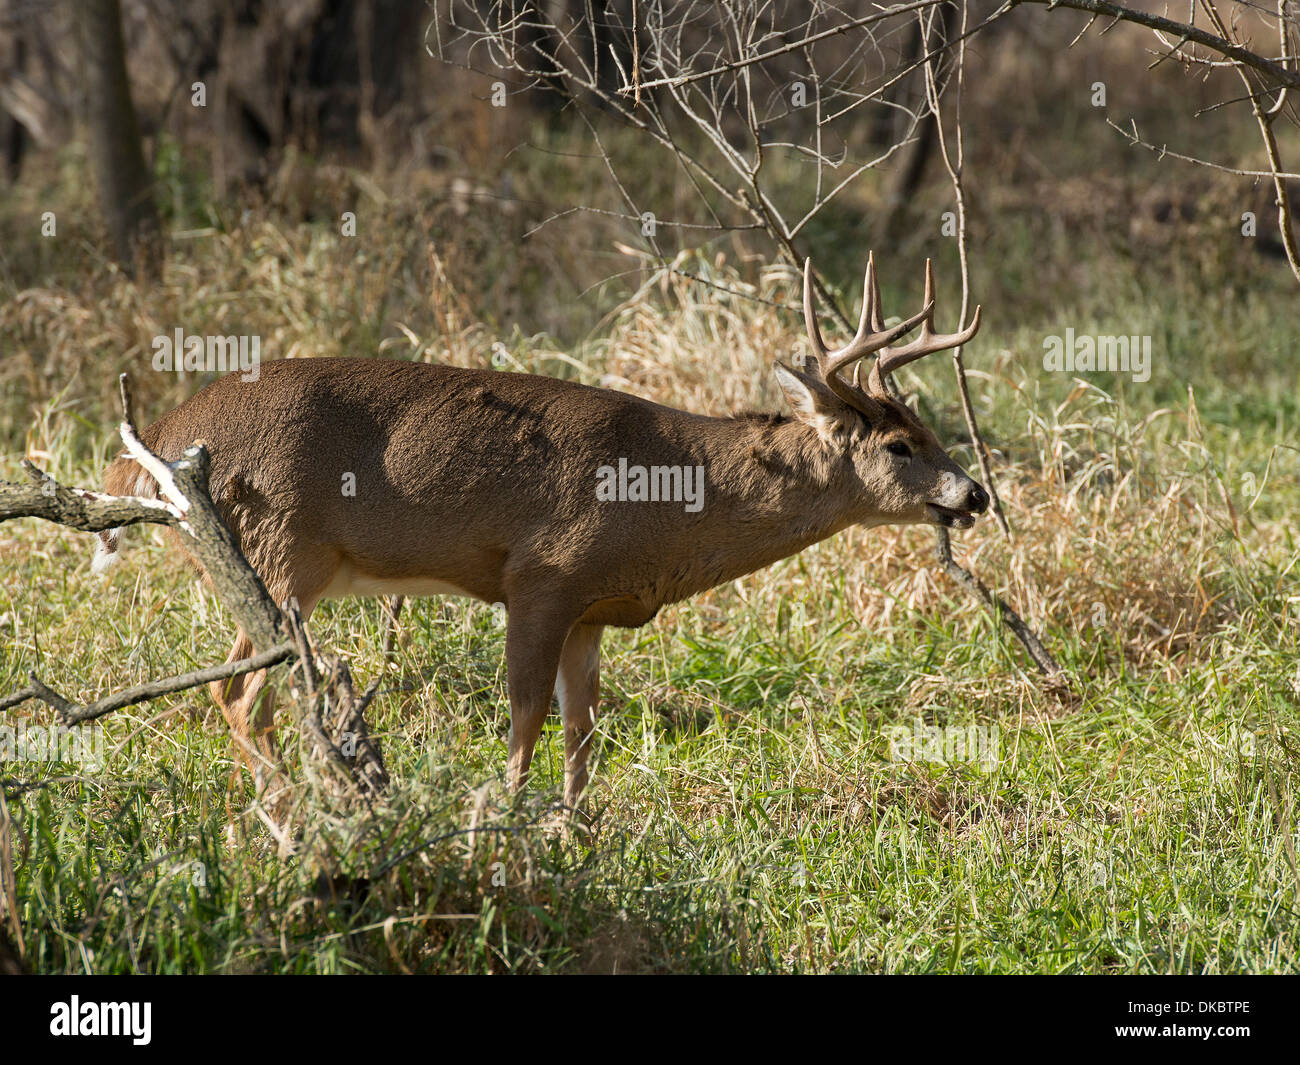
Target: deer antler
869,337
872,336
890,359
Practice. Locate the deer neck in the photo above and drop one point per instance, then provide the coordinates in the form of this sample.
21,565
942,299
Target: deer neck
776,491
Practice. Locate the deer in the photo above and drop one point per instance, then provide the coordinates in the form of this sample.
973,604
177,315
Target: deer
487,484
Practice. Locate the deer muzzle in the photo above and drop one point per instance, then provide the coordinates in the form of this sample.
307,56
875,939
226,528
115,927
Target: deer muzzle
962,516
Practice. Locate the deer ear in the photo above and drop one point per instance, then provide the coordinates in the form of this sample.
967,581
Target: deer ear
813,403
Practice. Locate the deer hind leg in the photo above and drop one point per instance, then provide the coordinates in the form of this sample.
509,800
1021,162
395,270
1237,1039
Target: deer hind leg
247,702
579,691
533,646
251,719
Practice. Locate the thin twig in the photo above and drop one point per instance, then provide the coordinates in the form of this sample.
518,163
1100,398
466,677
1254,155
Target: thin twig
954,168
943,544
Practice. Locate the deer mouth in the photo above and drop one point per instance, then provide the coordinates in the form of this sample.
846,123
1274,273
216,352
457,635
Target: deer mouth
949,518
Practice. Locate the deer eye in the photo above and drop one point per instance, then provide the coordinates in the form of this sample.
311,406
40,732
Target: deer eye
900,449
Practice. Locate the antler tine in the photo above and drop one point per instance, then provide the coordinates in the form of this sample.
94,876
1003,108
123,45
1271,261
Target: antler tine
926,343
869,337
810,313
877,318
868,320
870,297
870,317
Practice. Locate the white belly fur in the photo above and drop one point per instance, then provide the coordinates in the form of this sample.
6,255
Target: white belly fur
351,581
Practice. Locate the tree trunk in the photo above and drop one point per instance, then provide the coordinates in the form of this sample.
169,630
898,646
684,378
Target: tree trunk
13,138
908,172
116,154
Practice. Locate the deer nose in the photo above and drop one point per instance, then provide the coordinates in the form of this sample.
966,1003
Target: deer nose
977,500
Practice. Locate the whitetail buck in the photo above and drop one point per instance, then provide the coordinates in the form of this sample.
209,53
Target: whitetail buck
485,484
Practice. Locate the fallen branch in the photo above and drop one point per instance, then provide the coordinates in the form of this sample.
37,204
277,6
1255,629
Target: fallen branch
237,585
332,715
78,508
75,715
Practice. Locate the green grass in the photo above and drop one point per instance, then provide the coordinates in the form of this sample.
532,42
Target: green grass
752,814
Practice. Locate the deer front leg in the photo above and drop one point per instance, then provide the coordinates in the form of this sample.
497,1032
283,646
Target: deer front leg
579,691
533,645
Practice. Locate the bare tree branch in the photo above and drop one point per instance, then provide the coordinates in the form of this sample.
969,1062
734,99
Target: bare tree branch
78,508
76,715
1264,119
1161,150
741,64
1279,72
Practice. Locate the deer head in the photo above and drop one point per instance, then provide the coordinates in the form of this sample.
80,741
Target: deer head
902,471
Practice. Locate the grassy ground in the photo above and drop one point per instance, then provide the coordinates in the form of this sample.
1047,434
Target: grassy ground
765,797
